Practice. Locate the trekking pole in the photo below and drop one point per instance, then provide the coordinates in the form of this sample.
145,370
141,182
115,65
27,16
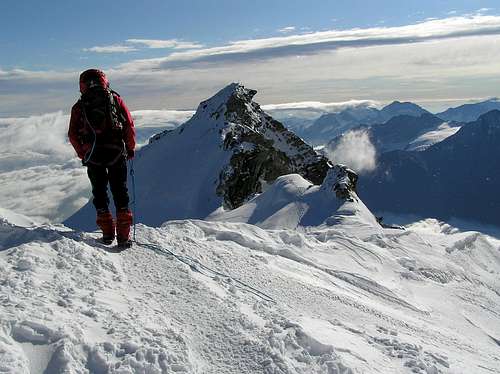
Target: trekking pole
132,175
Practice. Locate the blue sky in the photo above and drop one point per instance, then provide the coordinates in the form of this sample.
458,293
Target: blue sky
172,54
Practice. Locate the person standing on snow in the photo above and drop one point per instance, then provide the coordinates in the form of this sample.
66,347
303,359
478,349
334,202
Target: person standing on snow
101,131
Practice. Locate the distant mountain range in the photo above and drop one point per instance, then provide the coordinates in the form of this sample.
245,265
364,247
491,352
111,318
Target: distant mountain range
469,112
457,177
322,130
404,132
330,125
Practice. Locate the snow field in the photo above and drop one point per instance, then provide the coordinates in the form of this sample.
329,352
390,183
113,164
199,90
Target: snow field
347,301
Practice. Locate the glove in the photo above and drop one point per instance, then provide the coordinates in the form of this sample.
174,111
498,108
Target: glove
130,154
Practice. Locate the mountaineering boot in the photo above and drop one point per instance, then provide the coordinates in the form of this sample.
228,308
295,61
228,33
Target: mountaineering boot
105,222
123,222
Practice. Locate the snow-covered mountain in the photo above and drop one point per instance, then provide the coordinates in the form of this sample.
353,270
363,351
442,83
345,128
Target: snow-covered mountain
457,177
298,116
229,150
469,112
331,125
404,132
398,108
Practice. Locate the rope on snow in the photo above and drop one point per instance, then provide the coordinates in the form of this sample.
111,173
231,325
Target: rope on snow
199,267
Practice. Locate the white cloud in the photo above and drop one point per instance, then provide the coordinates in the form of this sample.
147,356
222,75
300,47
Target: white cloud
354,150
151,122
316,42
40,175
133,45
22,74
420,62
286,30
169,43
317,105
115,48
484,10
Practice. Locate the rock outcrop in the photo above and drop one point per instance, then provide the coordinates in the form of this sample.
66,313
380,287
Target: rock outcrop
342,181
262,148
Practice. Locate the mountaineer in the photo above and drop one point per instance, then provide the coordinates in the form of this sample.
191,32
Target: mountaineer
101,131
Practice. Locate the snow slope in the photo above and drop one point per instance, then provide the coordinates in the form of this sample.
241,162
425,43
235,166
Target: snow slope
294,203
346,300
432,137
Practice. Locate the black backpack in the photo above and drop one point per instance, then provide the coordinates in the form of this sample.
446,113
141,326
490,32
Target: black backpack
101,111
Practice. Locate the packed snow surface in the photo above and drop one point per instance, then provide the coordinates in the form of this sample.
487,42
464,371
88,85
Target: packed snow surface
343,298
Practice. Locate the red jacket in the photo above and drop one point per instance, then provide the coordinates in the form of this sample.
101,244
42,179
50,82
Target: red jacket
81,137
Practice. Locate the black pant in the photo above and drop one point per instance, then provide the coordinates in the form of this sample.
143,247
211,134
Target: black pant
116,176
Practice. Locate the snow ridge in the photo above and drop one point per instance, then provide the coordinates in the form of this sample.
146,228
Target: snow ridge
348,299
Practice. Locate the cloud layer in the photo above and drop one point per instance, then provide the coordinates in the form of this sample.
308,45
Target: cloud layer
440,61
41,177
316,42
134,45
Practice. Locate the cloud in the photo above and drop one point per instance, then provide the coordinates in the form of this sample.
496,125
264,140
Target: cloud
169,43
354,150
316,42
134,45
286,30
22,74
317,105
151,122
115,48
484,10
427,62
40,175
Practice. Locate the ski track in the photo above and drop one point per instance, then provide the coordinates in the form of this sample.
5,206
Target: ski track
67,305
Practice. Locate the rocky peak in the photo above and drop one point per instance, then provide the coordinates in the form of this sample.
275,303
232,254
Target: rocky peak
341,180
233,103
262,148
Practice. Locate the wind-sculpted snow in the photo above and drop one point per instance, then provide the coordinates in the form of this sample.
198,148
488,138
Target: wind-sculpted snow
347,299
292,202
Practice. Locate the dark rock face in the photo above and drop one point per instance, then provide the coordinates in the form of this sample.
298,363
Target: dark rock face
458,177
341,180
262,149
